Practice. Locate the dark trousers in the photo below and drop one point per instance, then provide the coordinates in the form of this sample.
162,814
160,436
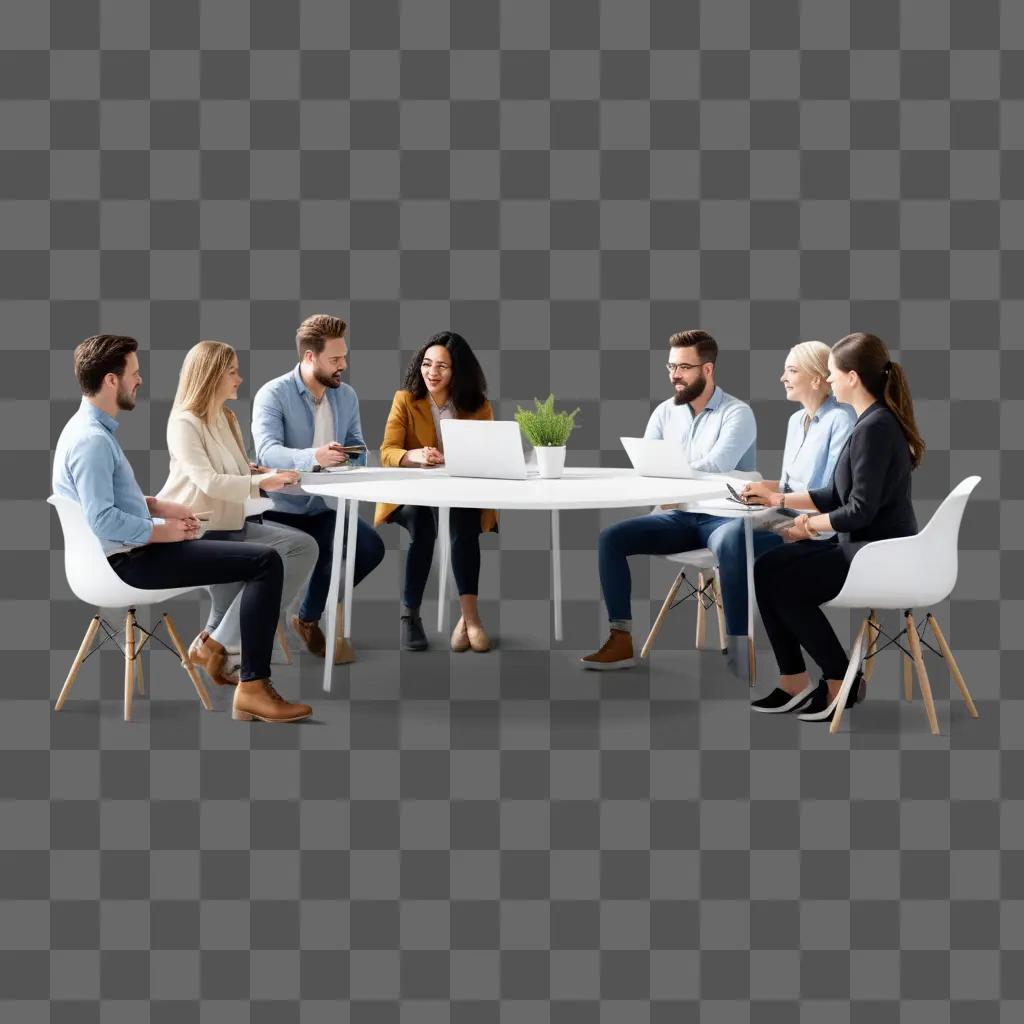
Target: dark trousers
320,526
791,583
199,563
421,522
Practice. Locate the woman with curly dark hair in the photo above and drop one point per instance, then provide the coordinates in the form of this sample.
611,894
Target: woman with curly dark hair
444,381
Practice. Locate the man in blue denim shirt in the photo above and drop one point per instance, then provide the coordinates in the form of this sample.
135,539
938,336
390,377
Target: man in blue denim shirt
302,420
719,434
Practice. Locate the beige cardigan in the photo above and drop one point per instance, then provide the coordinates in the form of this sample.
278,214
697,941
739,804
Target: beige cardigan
209,468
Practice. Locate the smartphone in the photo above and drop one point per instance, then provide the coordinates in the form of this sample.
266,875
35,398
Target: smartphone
743,501
352,449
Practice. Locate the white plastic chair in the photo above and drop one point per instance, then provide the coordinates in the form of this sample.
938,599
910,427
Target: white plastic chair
707,592
94,582
907,573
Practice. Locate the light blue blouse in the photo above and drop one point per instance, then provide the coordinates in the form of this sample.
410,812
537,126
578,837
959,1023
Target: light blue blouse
810,458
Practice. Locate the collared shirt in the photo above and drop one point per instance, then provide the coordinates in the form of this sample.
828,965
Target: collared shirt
441,412
810,456
283,431
90,467
721,438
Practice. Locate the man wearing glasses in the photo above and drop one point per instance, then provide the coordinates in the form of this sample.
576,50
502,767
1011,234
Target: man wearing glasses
719,434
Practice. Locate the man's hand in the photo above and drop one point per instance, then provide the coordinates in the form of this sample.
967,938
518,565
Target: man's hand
330,454
174,530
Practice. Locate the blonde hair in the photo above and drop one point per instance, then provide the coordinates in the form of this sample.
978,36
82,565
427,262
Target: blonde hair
811,357
201,373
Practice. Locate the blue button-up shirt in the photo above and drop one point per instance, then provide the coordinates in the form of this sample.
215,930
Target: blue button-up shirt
721,438
810,458
282,429
90,467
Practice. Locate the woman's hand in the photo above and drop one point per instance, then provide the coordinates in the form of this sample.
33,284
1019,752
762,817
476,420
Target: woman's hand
761,492
798,531
427,456
281,478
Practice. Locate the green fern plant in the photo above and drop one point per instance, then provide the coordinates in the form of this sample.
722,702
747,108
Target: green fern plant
543,426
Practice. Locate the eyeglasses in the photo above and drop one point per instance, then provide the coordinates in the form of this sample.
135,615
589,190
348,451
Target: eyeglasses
441,367
685,367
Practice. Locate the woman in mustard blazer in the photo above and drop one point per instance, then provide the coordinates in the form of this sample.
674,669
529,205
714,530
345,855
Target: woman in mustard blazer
444,381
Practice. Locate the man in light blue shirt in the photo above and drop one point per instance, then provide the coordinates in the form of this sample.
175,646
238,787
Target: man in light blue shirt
719,434
149,553
303,420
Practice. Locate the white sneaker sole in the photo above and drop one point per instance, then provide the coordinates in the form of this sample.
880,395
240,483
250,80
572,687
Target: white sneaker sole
799,699
608,666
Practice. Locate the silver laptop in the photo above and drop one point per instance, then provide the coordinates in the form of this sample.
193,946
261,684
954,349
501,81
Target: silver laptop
651,457
491,449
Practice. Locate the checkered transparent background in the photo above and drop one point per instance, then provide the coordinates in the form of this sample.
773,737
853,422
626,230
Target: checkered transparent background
501,839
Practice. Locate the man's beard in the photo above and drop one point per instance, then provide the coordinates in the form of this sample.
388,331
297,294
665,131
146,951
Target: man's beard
691,391
125,399
328,380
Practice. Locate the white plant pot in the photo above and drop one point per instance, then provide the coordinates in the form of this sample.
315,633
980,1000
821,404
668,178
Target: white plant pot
550,462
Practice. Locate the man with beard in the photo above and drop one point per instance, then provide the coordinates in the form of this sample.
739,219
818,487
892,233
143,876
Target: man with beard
140,535
301,420
719,434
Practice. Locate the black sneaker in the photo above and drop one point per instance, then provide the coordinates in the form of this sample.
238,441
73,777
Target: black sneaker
413,636
821,708
778,702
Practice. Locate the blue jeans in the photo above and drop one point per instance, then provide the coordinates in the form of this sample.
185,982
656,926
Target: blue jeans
320,526
671,531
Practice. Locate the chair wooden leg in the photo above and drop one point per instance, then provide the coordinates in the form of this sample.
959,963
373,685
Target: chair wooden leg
701,614
954,669
922,675
856,656
186,664
908,679
869,664
129,662
283,642
716,590
665,606
140,682
83,650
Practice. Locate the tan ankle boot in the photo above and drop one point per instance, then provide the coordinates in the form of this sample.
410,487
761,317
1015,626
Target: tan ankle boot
478,638
616,652
258,699
310,634
212,658
343,651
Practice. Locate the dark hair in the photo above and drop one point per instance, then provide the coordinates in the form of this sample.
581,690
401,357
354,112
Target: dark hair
99,355
469,385
868,357
706,346
314,331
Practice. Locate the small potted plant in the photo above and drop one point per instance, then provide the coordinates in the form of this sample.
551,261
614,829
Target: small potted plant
547,430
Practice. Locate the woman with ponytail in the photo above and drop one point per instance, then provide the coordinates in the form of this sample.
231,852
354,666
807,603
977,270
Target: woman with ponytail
867,499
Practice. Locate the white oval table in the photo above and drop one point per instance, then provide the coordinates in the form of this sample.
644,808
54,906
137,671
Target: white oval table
579,488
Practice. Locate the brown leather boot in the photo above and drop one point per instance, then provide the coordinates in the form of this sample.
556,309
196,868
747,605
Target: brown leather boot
311,635
258,699
616,652
343,651
212,658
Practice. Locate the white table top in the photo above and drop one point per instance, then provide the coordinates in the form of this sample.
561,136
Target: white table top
581,487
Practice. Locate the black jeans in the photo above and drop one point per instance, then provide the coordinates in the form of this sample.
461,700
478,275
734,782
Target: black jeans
421,522
199,563
791,583
320,526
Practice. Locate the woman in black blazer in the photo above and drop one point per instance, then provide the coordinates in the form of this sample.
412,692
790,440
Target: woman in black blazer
867,499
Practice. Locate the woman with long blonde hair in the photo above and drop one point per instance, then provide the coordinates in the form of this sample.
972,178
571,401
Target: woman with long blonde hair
211,473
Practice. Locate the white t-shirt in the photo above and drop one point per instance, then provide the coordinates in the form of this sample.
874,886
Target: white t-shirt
323,423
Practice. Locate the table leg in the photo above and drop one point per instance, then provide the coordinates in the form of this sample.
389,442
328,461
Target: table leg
350,565
556,571
444,554
748,540
332,591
